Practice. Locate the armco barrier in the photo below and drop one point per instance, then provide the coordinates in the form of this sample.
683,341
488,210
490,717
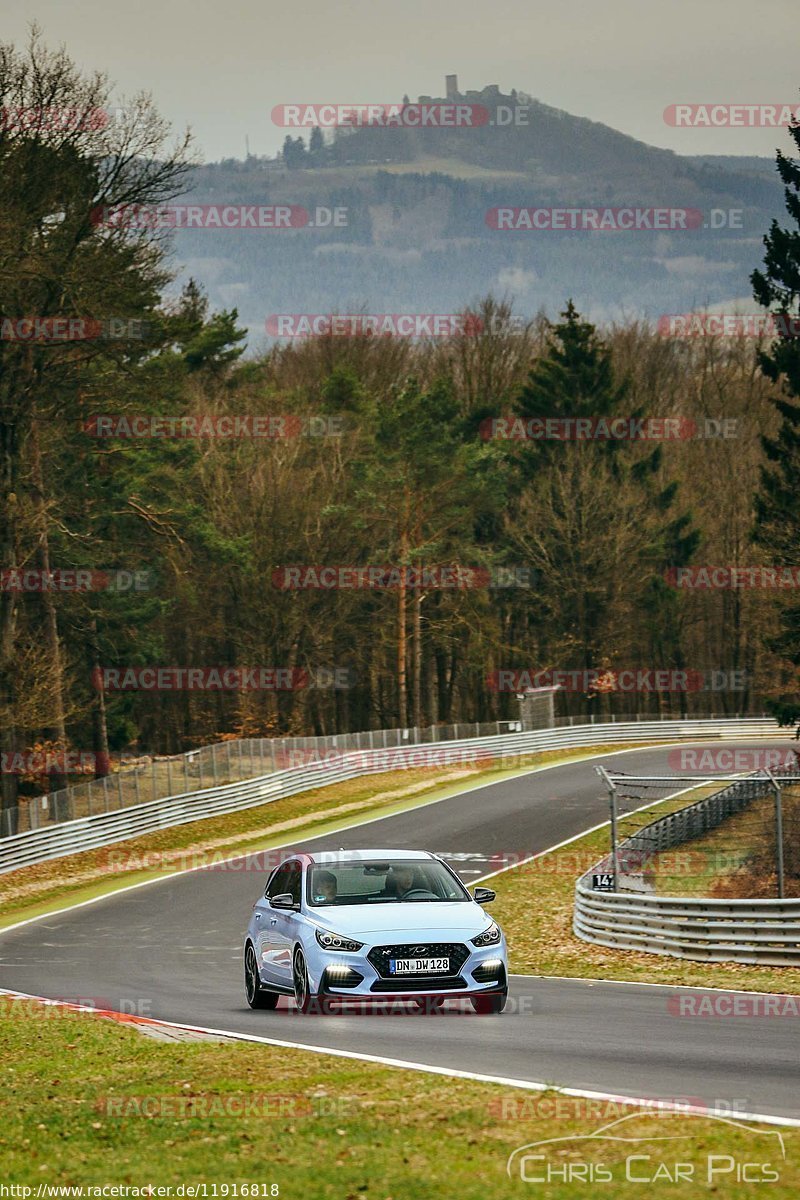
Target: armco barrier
103,829
700,928
743,931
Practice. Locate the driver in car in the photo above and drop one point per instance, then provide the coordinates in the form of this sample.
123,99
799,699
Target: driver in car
405,880
325,887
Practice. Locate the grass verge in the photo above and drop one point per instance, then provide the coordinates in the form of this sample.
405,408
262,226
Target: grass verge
76,1090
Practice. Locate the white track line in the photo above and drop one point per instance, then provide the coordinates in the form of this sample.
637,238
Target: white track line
687,987
530,1085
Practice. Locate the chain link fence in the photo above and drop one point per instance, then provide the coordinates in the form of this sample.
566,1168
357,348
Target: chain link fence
738,842
157,778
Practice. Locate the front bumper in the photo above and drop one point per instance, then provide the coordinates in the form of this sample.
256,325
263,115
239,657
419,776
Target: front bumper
362,975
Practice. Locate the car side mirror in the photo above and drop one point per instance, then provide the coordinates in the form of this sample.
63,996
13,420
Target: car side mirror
284,900
483,895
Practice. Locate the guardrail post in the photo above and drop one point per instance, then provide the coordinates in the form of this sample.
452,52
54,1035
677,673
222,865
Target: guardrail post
153,776
612,799
214,762
778,830
185,772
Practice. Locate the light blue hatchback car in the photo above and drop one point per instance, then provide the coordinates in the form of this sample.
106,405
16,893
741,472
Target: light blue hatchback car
357,925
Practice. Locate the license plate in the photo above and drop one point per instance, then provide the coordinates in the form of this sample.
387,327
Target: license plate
413,966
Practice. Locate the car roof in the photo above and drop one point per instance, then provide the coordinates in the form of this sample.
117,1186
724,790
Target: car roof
345,856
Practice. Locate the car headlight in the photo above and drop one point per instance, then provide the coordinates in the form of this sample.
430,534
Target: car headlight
489,937
335,941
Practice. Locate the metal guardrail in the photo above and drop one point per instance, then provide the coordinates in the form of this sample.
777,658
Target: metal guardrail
106,828
700,928
745,931
159,778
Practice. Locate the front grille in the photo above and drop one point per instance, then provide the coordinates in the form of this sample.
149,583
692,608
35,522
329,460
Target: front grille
379,956
429,983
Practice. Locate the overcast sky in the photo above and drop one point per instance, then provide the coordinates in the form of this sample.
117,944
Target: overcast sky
221,65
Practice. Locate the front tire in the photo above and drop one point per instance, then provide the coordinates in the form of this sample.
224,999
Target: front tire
305,1000
257,996
489,1005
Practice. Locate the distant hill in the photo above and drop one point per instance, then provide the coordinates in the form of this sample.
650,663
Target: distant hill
416,237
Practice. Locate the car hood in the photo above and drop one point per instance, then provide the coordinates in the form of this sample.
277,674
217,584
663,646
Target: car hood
416,919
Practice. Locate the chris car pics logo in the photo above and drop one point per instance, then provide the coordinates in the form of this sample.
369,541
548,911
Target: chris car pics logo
615,1153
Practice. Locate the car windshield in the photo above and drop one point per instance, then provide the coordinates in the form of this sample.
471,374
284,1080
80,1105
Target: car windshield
384,882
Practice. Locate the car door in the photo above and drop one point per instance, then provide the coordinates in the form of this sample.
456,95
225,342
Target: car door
266,924
284,925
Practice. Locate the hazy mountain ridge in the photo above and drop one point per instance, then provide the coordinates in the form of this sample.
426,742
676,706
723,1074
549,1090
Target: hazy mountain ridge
416,237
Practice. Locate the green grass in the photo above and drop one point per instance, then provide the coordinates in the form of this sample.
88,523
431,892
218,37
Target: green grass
535,904
74,1086
74,878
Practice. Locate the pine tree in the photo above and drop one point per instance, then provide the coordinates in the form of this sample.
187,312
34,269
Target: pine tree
316,145
576,378
777,505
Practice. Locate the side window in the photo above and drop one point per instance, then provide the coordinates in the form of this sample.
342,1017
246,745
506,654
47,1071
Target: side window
278,883
293,880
